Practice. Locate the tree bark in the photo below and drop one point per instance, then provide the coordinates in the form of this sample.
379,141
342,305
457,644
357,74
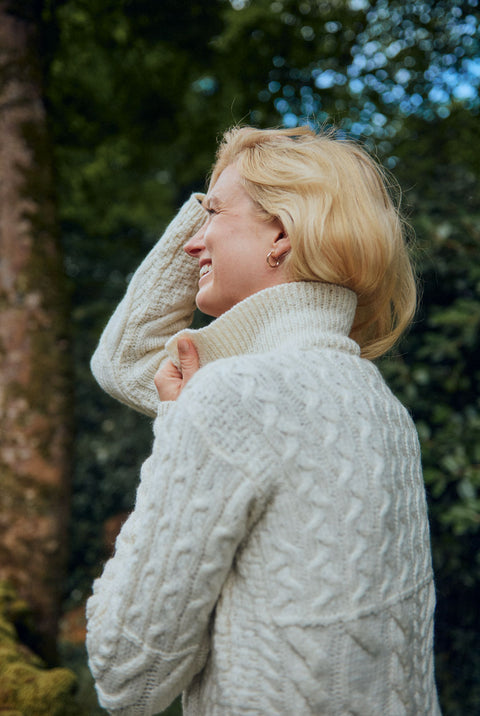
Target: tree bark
35,377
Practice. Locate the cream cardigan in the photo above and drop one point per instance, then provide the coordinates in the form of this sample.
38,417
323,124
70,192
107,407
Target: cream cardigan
277,560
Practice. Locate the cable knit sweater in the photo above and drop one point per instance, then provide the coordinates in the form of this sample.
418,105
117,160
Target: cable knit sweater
277,560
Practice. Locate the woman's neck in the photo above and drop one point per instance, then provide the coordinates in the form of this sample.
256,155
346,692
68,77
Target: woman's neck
303,314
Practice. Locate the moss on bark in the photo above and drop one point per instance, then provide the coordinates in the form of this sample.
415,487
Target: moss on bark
27,686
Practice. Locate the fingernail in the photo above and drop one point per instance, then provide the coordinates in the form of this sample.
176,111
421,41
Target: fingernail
182,346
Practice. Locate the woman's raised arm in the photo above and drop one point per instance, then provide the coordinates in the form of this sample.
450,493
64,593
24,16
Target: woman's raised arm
159,302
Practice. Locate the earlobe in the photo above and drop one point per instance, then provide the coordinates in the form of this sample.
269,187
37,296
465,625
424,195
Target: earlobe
281,247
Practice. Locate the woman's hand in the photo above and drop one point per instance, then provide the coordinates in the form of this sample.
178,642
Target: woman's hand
169,380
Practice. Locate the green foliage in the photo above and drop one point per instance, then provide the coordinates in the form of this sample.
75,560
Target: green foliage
27,687
139,92
438,377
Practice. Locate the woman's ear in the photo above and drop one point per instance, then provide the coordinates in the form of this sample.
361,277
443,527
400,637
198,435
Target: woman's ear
282,243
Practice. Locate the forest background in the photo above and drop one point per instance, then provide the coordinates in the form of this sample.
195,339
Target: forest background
121,105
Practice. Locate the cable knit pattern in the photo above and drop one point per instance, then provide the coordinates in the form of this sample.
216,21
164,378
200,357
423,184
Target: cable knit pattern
159,302
277,560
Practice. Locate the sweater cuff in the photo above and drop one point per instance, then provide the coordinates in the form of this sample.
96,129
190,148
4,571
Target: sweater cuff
164,409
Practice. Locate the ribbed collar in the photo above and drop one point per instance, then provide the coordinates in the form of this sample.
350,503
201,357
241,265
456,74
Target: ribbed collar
301,314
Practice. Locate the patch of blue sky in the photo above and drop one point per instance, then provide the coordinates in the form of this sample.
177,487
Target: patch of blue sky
356,86
449,78
472,67
309,103
416,100
402,76
359,63
393,95
326,79
370,48
379,119
394,48
282,106
359,4
464,91
448,82
467,27
357,128
290,119
438,95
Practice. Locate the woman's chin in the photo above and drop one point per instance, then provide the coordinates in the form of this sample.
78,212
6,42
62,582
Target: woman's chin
206,306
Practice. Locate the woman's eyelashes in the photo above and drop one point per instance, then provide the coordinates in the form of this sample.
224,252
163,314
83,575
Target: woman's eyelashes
208,208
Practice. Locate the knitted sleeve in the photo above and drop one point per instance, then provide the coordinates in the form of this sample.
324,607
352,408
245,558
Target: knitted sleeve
149,614
159,302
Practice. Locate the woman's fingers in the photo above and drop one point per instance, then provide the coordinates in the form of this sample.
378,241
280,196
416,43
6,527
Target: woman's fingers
188,356
169,380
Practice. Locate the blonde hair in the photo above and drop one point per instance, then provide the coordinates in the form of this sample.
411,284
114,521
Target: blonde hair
334,203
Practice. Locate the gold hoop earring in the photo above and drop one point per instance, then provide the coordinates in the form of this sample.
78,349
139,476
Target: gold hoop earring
275,258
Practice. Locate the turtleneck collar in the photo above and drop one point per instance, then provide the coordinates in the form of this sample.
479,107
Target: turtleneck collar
302,314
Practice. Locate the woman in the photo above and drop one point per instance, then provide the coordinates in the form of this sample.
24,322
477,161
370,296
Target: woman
277,560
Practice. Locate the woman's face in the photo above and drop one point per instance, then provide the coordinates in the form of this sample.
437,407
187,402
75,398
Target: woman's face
232,246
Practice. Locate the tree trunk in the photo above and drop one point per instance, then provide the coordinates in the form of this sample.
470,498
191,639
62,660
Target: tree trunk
35,378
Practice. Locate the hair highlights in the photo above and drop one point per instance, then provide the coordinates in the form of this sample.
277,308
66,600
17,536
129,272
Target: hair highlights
333,200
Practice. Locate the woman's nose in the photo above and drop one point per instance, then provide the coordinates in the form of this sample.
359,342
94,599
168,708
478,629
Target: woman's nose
195,245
